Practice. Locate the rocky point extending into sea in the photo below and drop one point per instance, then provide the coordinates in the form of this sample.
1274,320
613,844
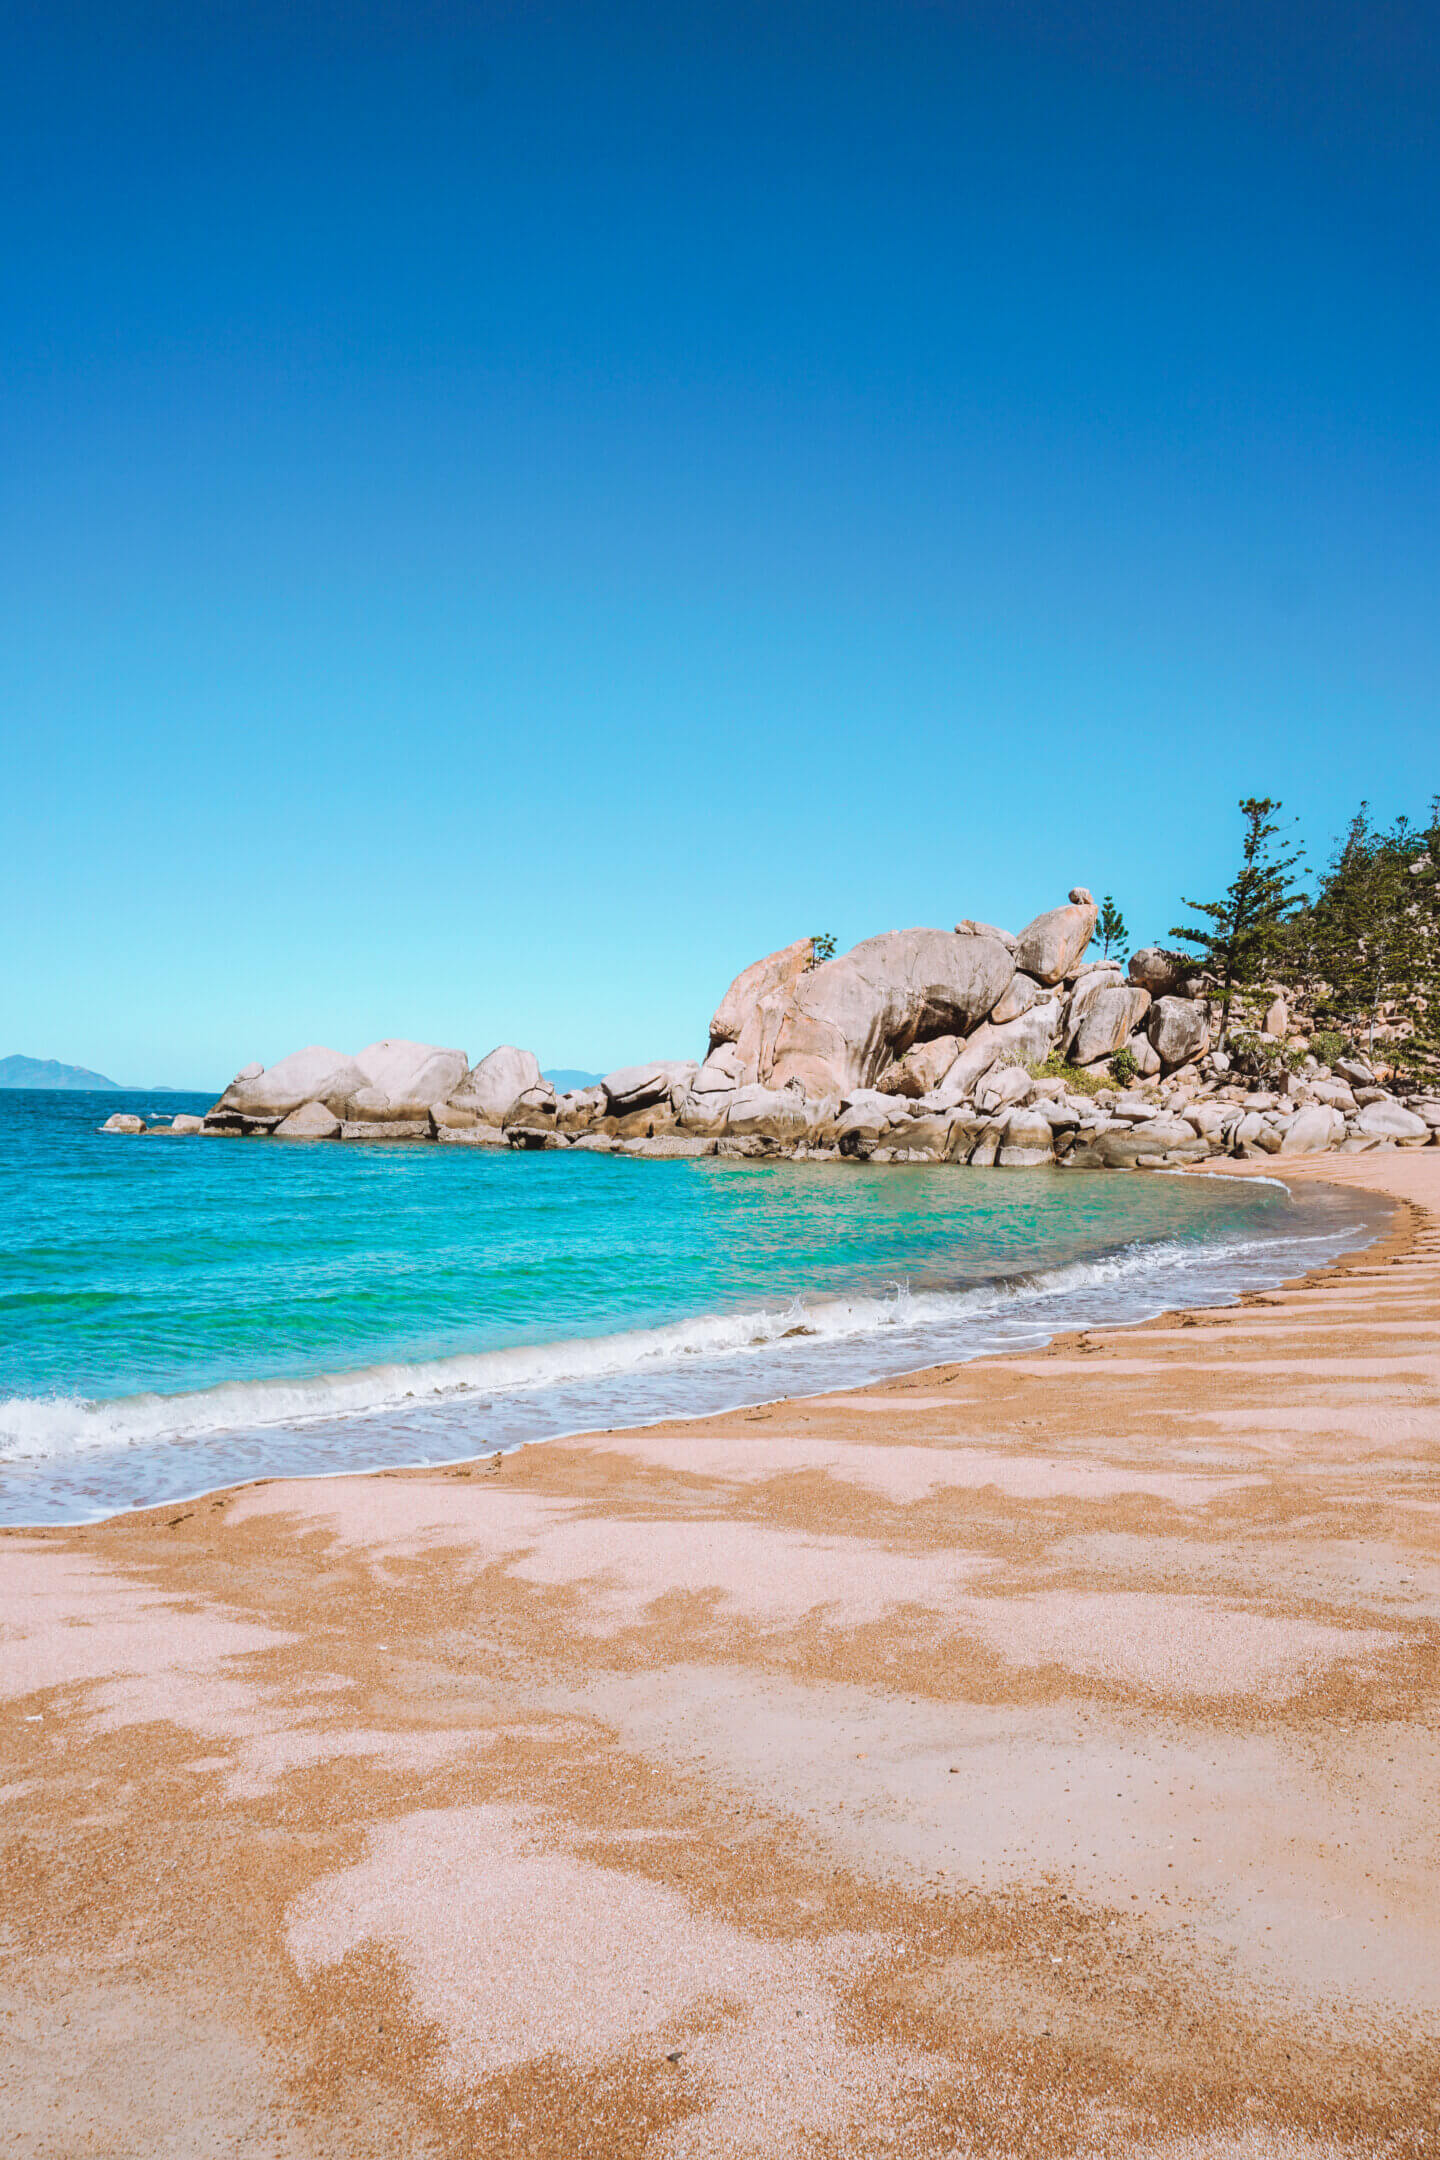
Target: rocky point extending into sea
965,1046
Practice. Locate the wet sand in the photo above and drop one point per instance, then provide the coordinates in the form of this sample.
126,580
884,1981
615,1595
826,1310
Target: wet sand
1038,1756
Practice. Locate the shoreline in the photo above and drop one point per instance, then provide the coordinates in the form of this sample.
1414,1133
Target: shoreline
1032,1755
635,1377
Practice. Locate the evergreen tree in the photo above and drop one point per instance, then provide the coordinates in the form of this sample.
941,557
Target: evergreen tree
1111,931
1242,934
1375,929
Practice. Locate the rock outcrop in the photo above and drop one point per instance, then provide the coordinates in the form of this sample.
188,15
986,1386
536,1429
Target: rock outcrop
853,1016
972,1046
495,1088
261,1094
643,1087
402,1079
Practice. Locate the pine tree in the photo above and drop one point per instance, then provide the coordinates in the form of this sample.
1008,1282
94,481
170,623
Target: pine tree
1374,927
1242,933
1111,931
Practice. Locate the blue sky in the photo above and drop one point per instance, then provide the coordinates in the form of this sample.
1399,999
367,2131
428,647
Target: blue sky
507,513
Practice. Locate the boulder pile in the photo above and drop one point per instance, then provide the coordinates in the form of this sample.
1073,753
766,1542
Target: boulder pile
966,1046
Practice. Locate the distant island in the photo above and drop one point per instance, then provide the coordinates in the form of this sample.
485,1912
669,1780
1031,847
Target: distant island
28,1072
567,1076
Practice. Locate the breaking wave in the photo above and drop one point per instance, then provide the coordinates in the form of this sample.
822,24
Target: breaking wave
67,1458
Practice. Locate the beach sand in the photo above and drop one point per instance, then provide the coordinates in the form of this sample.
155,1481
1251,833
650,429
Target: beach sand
1038,1756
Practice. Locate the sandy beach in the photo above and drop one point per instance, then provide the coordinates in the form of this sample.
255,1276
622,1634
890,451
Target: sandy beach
1035,1756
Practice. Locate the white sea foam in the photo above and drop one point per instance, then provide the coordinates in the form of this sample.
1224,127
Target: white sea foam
925,1321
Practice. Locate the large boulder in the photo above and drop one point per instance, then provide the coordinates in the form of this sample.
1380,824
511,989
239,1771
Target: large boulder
863,1123
124,1121
781,1114
535,1106
1002,1088
1178,1030
1027,1142
854,1016
1313,1129
922,1068
1164,974
721,1073
936,1138
1028,1041
1160,1141
1050,947
639,1087
777,971
402,1079
1024,991
491,1091
312,1121
579,1108
1146,1056
1107,1017
272,1092
986,929
1389,1121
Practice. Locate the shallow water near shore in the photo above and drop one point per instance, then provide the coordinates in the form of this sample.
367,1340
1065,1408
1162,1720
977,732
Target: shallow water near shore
176,1315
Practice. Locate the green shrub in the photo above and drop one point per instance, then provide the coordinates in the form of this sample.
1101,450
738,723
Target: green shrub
1260,1057
1123,1068
1327,1044
1075,1077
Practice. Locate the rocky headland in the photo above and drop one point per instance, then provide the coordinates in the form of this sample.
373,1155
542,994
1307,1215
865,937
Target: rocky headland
967,1046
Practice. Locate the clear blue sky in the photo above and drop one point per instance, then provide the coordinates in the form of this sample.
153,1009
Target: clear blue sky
507,513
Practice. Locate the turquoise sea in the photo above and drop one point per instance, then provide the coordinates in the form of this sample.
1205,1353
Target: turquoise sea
179,1314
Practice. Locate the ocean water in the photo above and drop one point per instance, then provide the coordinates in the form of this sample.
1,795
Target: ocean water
176,1315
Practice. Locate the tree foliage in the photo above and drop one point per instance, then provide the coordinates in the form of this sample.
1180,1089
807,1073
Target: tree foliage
1111,931
1242,934
1371,938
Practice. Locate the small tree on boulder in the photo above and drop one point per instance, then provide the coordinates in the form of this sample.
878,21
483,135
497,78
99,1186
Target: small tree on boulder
1111,931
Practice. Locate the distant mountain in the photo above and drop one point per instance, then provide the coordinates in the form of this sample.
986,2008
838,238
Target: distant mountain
25,1072
565,1076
